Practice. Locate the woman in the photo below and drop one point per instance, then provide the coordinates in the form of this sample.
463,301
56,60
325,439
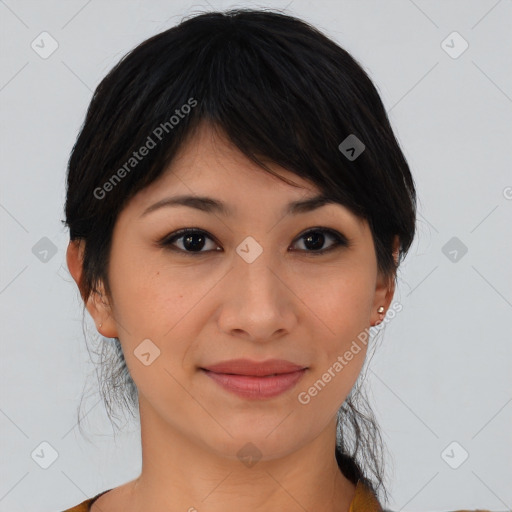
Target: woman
238,206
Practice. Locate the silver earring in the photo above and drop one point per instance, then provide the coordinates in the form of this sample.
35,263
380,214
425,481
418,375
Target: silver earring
380,310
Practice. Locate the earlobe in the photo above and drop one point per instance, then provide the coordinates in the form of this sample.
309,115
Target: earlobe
99,309
383,295
385,289
96,303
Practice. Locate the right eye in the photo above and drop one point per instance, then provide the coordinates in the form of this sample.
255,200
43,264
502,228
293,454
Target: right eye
193,241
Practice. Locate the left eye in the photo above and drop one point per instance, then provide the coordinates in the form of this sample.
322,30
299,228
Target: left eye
315,238
194,240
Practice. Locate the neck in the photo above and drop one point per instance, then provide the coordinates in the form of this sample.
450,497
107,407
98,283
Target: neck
178,474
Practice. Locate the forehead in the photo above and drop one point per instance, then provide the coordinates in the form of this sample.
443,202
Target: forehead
210,155
209,164
211,174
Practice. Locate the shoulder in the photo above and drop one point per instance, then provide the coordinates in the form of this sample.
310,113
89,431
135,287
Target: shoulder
366,501
85,506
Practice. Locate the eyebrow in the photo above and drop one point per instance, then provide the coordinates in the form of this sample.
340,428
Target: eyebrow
211,205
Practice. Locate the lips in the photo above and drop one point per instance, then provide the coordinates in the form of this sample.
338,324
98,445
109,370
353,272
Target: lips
253,380
253,368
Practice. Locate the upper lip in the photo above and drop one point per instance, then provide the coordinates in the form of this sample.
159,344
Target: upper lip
254,368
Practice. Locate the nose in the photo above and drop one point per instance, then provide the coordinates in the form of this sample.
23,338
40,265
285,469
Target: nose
258,303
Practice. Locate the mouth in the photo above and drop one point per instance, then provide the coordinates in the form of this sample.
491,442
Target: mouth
255,380
248,367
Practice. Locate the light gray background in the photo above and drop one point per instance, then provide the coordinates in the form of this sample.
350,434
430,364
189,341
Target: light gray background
442,372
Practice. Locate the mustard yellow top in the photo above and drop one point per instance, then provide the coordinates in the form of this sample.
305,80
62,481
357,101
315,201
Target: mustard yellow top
364,501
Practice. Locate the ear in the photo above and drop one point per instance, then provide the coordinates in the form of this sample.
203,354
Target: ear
97,303
384,290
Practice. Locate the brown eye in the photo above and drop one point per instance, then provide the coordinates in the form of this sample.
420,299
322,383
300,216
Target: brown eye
314,240
193,241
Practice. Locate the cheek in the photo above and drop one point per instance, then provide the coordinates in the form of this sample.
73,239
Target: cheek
336,369
155,305
341,302
341,307
147,303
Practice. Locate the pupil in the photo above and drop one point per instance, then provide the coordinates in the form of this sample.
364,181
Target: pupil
188,244
316,238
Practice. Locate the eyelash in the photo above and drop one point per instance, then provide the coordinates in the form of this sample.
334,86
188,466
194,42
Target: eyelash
167,242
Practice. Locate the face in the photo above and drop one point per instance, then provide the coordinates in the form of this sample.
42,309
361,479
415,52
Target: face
253,282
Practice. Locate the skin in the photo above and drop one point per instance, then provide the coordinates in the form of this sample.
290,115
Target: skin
212,306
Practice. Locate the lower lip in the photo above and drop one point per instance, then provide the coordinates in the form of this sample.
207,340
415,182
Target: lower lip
258,388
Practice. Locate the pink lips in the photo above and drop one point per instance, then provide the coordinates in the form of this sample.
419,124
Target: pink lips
250,379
